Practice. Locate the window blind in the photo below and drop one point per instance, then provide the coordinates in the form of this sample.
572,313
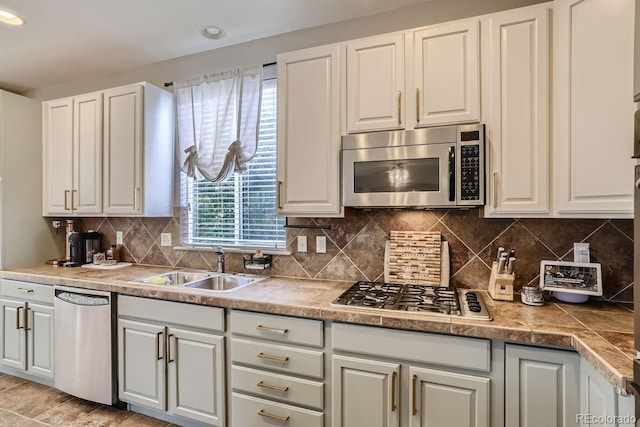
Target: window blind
242,210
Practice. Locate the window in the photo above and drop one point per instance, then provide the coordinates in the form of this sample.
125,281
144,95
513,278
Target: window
242,210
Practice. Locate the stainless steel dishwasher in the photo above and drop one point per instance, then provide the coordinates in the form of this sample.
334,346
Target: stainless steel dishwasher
84,334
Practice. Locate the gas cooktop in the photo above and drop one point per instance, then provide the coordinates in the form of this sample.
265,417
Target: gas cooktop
437,300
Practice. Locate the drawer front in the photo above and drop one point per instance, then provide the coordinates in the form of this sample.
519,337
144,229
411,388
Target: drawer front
26,291
445,350
196,316
276,357
288,389
251,411
278,328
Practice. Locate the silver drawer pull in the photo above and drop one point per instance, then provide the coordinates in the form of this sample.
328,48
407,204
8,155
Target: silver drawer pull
273,387
272,330
263,413
25,290
281,359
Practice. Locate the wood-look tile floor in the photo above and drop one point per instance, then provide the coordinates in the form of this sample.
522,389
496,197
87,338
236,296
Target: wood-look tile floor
24,403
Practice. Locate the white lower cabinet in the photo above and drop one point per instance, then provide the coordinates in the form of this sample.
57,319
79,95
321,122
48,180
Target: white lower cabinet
414,379
365,392
541,387
277,370
171,358
600,403
26,322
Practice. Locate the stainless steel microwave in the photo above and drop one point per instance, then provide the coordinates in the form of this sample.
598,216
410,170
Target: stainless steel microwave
440,167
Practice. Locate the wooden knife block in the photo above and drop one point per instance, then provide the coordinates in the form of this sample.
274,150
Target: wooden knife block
501,285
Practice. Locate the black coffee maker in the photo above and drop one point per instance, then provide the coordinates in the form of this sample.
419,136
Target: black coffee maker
82,246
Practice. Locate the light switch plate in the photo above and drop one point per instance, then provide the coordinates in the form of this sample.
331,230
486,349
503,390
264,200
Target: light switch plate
302,243
321,244
165,239
118,237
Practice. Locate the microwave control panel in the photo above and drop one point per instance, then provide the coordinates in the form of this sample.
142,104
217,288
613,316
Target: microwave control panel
470,159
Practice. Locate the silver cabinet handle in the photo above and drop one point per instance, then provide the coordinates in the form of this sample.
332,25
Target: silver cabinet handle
158,341
169,359
415,406
281,359
393,391
272,330
273,387
18,317
399,107
417,105
136,197
26,319
73,199
278,188
66,202
25,290
282,419
495,190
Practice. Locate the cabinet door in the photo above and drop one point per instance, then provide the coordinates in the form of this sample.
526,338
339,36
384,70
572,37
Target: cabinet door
141,364
375,83
516,112
40,339
196,393
57,144
594,108
13,351
365,393
541,387
123,122
448,399
308,150
86,196
446,73
598,398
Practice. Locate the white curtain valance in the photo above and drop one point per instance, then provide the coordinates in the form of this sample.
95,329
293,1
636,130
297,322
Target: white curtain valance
218,116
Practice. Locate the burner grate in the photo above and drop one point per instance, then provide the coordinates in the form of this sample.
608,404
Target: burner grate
414,298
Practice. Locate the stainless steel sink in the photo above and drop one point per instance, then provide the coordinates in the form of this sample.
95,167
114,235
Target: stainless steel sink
223,282
208,280
176,278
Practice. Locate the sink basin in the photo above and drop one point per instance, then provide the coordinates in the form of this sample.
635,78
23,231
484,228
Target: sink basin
176,278
223,282
208,280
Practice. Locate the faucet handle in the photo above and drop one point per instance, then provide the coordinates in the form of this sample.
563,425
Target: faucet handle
219,250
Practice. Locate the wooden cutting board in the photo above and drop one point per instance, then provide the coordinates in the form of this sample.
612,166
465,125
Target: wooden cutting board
414,257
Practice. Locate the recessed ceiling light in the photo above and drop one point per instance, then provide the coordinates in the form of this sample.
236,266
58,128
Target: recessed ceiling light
211,32
10,18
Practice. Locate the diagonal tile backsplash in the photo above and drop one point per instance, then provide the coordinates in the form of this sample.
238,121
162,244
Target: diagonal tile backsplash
355,245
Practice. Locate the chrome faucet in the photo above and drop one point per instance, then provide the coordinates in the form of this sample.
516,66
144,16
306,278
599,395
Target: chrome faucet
220,254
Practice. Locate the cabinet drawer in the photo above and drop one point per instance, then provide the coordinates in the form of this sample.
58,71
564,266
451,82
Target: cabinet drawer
278,357
196,316
445,350
26,291
278,328
254,412
280,387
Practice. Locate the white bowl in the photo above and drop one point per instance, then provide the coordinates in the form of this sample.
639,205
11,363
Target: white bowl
571,297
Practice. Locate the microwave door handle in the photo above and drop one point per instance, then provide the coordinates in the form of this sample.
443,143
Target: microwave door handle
452,174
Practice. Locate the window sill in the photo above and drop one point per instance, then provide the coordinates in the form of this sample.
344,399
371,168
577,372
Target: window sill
234,249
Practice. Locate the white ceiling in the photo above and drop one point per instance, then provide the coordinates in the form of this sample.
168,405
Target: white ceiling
67,40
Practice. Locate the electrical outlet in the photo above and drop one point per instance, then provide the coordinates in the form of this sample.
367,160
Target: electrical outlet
118,237
302,243
165,239
321,244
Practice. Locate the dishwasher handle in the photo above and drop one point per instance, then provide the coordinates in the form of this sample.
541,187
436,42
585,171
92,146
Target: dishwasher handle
81,298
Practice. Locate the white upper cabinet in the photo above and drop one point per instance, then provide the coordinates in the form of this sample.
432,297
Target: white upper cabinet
375,83
109,153
515,73
308,149
423,77
593,107
446,73
72,138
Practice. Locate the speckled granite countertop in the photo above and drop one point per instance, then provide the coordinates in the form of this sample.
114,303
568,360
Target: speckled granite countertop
600,332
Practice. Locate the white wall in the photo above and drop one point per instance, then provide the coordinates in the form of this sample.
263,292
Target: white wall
264,50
